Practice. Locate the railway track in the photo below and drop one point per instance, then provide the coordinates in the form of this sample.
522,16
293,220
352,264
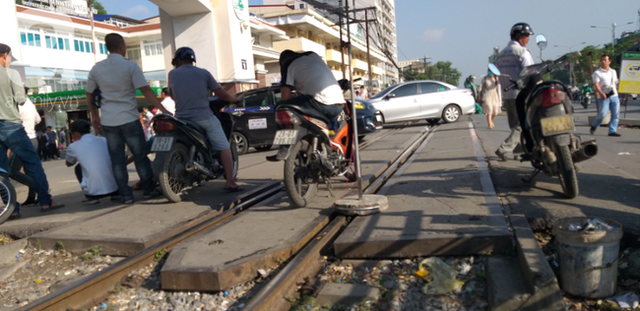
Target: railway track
94,288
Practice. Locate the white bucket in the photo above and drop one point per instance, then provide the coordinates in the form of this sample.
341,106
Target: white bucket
588,260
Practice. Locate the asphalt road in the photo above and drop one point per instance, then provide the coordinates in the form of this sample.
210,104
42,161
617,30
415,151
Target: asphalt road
608,182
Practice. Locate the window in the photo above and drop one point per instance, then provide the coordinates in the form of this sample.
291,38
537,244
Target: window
66,44
406,90
428,88
54,42
152,47
30,38
133,53
256,99
103,49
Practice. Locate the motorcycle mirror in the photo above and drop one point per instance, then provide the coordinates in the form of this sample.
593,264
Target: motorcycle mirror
494,69
541,41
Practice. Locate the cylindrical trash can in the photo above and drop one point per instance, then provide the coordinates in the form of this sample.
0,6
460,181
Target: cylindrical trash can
588,259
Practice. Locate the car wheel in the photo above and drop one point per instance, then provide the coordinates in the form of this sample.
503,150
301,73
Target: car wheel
451,114
242,145
433,121
263,148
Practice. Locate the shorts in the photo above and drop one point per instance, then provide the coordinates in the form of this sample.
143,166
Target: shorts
215,133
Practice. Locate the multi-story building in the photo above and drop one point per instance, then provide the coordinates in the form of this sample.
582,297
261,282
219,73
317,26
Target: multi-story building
309,31
382,31
55,52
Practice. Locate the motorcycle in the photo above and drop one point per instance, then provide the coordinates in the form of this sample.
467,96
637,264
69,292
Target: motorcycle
184,158
311,150
586,100
548,138
8,195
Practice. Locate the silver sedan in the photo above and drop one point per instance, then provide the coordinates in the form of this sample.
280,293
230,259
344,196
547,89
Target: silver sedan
431,100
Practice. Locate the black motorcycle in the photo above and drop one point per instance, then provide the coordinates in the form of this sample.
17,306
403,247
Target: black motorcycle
184,157
545,113
586,100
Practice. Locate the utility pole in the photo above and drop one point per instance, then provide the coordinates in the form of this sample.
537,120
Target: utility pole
93,32
613,35
344,76
370,88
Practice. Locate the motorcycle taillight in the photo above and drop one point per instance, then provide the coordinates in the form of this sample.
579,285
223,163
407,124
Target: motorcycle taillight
286,119
552,97
163,126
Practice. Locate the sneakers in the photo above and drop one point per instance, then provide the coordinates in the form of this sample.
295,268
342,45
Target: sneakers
501,155
154,194
127,200
614,134
90,201
593,130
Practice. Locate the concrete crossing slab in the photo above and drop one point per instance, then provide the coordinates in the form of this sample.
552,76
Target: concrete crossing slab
263,237
441,202
129,230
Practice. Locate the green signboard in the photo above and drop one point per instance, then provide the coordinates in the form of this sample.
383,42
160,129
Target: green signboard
71,100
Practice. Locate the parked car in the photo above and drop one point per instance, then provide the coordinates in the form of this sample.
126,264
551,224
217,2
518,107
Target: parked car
254,118
431,100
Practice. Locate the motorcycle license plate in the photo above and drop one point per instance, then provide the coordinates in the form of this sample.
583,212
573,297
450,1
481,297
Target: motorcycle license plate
162,144
557,125
285,137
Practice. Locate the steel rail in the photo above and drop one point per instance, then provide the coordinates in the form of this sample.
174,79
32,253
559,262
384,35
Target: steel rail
94,288
308,261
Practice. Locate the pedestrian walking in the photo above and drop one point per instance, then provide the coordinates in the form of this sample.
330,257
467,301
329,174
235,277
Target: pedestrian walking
117,79
490,97
63,138
52,143
90,156
511,60
42,146
605,81
13,135
470,84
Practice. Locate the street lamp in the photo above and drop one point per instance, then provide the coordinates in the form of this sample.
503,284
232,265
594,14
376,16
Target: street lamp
571,80
613,31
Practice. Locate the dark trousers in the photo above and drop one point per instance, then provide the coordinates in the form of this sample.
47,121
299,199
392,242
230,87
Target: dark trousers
329,111
78,171
53,151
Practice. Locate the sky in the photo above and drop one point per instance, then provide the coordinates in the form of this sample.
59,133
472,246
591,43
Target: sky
464,32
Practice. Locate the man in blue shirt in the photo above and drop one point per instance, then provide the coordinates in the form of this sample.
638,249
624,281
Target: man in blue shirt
191,87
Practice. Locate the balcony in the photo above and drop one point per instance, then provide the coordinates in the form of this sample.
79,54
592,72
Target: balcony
377,70
333,56
359,64
265,52
300,45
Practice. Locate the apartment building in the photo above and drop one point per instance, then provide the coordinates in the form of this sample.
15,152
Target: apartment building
309,31
382,32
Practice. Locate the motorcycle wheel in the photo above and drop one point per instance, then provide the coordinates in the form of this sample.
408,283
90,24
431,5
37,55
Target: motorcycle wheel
172,175
585,104
295,171
27,181
8,195
567,173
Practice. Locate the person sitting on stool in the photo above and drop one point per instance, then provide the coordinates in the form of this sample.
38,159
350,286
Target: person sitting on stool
93,168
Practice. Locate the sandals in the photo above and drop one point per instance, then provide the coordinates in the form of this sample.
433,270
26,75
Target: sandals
51,206
234,189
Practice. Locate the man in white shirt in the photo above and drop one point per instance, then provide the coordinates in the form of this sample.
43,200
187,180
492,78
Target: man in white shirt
118,78
93,168
167,101
605,81
511,60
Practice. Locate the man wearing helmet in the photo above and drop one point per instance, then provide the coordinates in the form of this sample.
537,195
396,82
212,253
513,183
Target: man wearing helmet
191,87
118,79
511,60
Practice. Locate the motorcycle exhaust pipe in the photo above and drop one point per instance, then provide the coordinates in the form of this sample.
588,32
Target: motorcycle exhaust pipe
586,151
197,169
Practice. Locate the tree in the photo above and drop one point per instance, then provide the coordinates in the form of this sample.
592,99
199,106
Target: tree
440,71
98,6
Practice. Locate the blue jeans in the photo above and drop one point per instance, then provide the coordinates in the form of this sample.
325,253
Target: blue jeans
14,137
133,135
612,103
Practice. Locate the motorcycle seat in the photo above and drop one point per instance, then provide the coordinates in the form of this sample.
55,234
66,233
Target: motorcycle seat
307,111
196,127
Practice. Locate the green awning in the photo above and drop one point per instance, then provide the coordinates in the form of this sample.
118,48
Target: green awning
72,97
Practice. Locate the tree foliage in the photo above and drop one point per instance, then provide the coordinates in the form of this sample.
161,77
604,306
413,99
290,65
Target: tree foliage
441,71
98,6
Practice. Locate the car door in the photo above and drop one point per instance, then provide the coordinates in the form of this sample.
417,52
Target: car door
402,103
255,117
431,99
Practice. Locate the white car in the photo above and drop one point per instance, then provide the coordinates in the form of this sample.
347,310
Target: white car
431,100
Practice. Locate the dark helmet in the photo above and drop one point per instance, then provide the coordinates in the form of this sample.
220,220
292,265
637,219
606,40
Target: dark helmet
81,126
183,53
286,55
521,29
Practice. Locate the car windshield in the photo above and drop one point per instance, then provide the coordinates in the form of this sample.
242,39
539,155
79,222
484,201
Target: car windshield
384,92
